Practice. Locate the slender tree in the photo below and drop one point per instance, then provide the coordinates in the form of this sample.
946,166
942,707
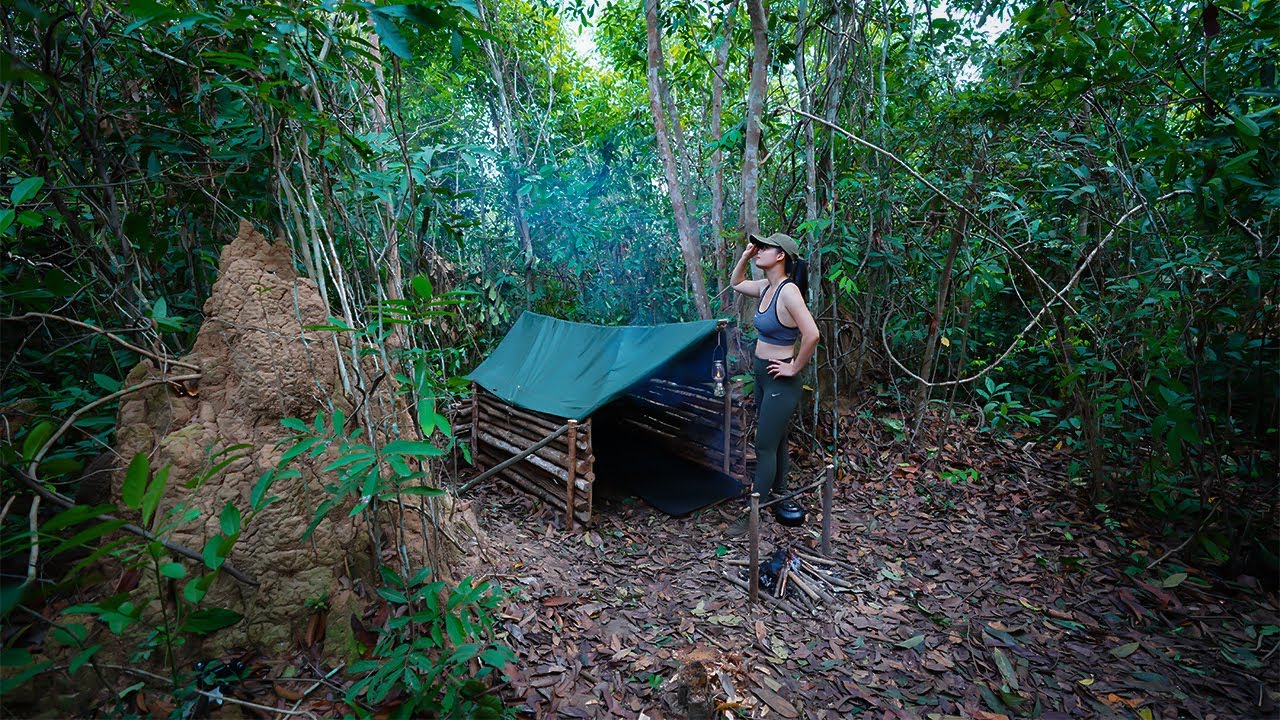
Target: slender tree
690,248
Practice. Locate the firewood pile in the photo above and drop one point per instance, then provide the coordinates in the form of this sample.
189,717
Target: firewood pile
794,578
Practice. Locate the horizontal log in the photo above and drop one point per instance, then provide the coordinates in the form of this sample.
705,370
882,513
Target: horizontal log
711,444
513,459
713,414
486,400
557,451
707,456
693,396
494,409
677,427
532,489
525,478
490,400
521,437
549,467
711,421
674,401
677,404
703,391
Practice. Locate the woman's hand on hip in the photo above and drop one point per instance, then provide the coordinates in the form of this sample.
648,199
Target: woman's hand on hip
783,368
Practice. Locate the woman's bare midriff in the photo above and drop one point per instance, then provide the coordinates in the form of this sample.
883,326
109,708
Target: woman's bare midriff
769,351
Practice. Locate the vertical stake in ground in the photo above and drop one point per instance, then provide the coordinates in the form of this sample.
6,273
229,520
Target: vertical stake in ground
753,531
571,476
828,491
475,423
728,424
727,388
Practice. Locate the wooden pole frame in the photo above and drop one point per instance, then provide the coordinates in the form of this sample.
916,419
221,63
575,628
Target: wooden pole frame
571,480
475,421
753,531
727,387
828,492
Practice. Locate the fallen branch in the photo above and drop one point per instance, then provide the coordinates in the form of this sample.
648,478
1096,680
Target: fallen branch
766,596
33,518
110,335
317,684
219,698
804,587
66,425
67,503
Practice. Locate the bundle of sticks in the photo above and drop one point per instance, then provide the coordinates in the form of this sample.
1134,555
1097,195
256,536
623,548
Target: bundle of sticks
807,580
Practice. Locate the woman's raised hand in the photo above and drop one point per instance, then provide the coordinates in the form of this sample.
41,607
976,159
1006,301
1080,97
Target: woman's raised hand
750,251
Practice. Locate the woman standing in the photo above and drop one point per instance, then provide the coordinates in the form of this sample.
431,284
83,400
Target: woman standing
788,338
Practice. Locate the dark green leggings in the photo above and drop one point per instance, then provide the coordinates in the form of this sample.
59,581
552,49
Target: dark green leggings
776,400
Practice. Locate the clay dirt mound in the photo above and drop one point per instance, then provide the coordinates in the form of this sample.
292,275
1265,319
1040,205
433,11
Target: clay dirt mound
260,365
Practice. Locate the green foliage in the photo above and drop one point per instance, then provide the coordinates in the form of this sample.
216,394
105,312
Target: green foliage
431,650
428,649
1156,366
81,532
1004,411
133,139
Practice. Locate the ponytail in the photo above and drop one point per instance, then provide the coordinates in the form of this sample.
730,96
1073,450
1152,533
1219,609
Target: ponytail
798,271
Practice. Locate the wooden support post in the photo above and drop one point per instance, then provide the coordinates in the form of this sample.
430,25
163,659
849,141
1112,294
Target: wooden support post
728,425
475,421
573,475
828,492
727,388
753,531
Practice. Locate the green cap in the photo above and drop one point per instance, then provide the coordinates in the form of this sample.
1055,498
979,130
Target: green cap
778,240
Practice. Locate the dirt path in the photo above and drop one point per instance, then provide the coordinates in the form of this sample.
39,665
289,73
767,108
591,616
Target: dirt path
974,594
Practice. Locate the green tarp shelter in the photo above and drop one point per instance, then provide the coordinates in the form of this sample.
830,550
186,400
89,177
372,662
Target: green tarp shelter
571,369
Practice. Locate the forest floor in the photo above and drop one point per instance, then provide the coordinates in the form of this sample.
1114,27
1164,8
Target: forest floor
977,585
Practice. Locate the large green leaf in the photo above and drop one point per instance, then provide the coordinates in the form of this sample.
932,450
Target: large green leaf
412,448
390,35
135,481
208,620
25,190
36,439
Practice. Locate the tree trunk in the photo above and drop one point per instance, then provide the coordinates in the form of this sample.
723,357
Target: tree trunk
717,158
684,163
935,324
755,110
813,247
505,127
394,286
689,247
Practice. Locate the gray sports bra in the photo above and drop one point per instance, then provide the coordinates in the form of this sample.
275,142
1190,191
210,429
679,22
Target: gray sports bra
770,327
